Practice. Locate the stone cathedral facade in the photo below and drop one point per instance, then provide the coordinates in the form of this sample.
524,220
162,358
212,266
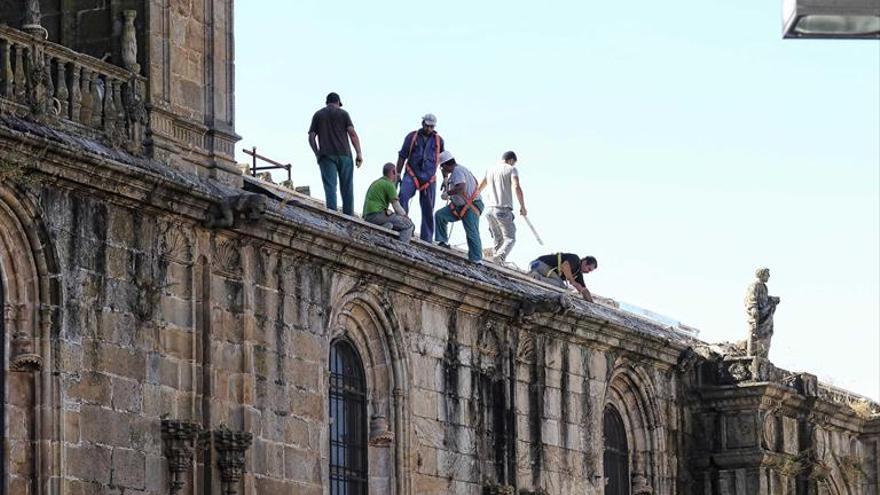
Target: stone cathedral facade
172,326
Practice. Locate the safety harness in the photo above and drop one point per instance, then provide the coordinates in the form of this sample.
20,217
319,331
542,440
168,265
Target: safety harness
468,202
421,186
558,268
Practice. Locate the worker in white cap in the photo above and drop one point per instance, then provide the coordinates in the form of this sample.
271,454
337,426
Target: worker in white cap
465,204
420,155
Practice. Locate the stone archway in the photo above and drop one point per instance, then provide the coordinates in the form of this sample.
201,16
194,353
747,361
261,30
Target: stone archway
632,394
364,317
29,295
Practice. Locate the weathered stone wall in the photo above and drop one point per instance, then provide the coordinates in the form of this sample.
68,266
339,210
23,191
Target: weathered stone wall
128,311
166,319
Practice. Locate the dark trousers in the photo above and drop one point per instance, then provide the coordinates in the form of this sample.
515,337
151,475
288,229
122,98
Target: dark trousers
426,201
331,167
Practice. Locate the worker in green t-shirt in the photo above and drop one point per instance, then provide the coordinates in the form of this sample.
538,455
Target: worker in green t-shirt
382,194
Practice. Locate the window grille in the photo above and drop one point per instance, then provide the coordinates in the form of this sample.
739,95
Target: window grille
348,421
616,456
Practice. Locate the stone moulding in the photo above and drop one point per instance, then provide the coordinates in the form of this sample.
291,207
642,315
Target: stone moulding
180,439
231,447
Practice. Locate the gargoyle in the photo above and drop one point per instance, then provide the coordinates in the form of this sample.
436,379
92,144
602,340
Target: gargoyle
247,206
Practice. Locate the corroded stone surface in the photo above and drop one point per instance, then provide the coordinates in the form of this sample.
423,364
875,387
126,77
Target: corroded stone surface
136,291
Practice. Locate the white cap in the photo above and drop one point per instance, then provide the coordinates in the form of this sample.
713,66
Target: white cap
445,157
429,119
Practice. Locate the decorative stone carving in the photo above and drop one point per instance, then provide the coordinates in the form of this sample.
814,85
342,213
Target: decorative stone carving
760,308
820,444
740,431
175,244
770,431
247,206
129,42
525,351
686,360
23,356
231,447
640,485
805,384
493,489
180,439
226,259
32,18
138,118
380,435
554,305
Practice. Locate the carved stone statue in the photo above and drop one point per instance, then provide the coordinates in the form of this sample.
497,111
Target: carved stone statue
129,42
760,308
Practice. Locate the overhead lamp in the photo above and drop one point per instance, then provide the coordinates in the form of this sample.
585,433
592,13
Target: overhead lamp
840,19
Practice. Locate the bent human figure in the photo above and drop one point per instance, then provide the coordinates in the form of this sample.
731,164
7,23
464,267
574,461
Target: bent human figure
381,194
760,308
465,204
417,164
329,134
500,182
558,268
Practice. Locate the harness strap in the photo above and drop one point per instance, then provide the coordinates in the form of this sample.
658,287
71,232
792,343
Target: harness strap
468,204
558,268
421,186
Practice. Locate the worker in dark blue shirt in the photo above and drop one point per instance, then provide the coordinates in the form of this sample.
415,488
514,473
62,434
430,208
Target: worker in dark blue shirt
419,156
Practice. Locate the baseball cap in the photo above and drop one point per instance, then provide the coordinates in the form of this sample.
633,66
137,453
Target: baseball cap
334,98
429,119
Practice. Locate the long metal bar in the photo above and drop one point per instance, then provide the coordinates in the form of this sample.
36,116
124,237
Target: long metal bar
532,227
275,165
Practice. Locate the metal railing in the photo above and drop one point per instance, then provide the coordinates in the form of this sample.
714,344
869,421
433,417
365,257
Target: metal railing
274,165
42,79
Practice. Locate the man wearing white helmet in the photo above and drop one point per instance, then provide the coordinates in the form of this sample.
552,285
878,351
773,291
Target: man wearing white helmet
419,155
465,204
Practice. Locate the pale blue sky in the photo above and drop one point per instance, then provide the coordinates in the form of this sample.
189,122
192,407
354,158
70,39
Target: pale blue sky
682,143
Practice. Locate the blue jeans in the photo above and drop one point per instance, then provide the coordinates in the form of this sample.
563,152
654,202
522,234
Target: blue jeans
331,166
471,222
426,201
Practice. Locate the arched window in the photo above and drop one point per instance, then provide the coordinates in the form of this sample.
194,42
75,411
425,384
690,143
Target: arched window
616,453
348,421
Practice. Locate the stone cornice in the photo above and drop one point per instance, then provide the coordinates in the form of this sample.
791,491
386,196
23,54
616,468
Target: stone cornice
347,245
752,396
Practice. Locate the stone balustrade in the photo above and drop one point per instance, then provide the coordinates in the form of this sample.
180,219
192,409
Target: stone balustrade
63,88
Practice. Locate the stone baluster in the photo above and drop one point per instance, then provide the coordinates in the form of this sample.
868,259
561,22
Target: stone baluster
19,83
97,100
85,113
7,73
50,103
109,109
61,92
117,103
75,92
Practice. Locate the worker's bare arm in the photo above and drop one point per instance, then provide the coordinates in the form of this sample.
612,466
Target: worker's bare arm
566,272
313,142
519,197
356,142
395,204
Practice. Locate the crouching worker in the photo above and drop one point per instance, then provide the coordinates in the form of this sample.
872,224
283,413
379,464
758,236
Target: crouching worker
465,205
382,194
556,269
